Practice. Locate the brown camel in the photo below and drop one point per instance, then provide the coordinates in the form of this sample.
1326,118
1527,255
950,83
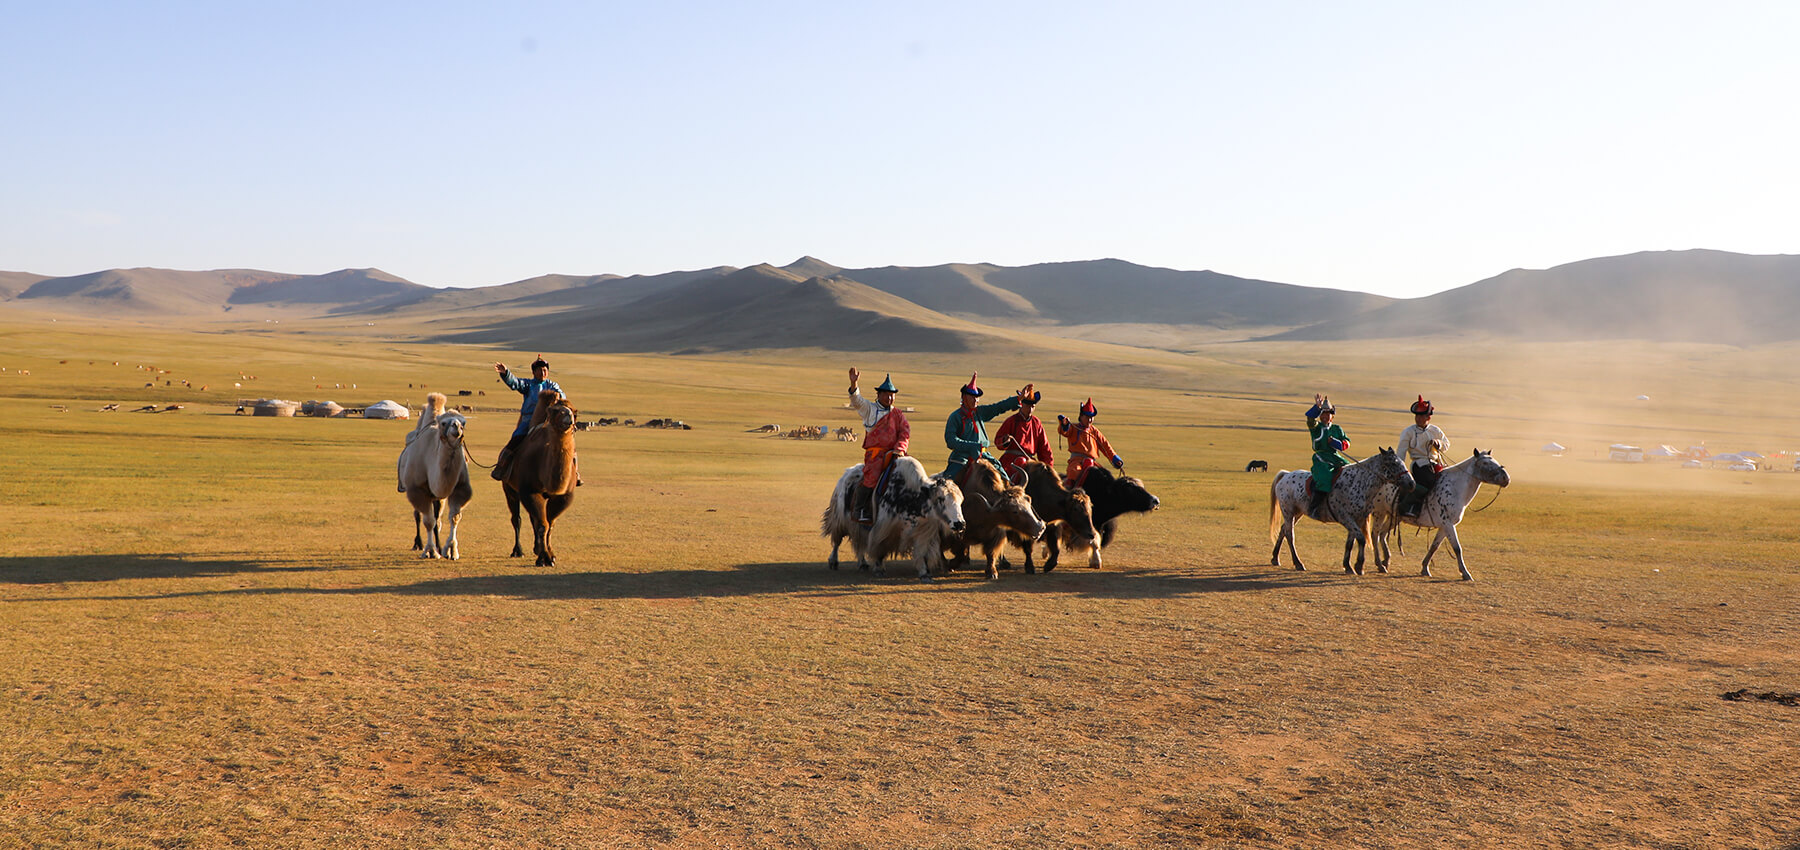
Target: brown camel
542,474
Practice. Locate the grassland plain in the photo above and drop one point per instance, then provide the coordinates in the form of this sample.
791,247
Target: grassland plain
215,634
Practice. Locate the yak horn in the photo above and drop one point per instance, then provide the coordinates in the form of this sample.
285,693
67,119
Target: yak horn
984,501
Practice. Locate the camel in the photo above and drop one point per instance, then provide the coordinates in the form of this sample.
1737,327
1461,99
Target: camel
541,474
433,472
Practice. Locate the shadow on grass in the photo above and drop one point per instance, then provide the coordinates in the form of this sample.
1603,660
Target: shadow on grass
799,579
59,569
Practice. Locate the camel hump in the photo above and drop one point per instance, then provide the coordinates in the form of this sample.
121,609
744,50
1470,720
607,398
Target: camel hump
436,402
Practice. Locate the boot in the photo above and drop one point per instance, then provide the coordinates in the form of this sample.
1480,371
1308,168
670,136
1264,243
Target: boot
501,463
859,503
1318,502
1409,506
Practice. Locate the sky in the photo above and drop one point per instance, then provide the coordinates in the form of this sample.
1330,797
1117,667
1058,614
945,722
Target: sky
1395,148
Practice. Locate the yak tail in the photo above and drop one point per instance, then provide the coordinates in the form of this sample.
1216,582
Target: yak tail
1275,508
434,407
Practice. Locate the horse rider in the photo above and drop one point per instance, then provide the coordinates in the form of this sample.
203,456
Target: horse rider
1329,443
1086,443
1021,438
885,434
965,432
540,381
1422,445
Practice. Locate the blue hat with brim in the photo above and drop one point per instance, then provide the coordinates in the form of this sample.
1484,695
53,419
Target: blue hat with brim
887,385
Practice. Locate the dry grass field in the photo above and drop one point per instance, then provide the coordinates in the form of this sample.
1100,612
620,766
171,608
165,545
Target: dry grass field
216,634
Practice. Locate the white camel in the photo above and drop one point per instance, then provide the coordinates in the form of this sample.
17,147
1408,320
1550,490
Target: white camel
434,475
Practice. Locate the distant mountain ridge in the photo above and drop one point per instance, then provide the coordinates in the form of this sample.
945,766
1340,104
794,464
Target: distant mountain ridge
1698,296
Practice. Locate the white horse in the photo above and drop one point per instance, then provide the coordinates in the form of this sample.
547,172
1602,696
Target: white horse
1442,509
434,475
1348,504
914,514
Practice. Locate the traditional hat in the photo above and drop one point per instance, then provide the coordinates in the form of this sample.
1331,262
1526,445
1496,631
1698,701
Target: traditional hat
1035,397
1326,407
540,362
887,385
1422,407
1088,409
970,388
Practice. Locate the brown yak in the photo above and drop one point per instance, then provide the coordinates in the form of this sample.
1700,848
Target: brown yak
992,508
1067,512
542,474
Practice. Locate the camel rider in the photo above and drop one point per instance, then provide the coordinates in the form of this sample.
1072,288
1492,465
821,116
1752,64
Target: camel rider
1422,445
1086,443
885,434
1021,438
1329,443
965,432
540,381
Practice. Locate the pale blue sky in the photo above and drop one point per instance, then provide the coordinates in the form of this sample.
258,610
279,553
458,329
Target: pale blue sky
1398,148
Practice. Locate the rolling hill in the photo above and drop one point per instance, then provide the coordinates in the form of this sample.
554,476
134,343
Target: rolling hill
1687,296
1670,296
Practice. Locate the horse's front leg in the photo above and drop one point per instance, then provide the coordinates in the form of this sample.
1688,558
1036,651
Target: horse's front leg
1425,565
1456,547
418,531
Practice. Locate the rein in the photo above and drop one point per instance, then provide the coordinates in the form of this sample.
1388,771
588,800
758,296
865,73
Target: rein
465,448
1490,501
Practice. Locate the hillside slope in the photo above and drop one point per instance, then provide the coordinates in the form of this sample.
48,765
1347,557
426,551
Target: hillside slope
1671,296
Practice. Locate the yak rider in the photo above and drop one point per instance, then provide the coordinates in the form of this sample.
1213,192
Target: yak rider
1021,438
1329,443
1422,445
540,381
1086,444
965,432
885,435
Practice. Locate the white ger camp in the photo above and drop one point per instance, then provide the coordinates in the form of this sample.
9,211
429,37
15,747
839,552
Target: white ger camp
386,409
1625,453
1554,449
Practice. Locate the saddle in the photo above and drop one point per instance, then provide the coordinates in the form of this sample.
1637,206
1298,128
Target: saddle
1075,482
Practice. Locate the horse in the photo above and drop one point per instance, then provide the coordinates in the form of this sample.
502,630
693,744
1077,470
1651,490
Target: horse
542,474
1442,509
1061,508
993,509
433,472
1348,504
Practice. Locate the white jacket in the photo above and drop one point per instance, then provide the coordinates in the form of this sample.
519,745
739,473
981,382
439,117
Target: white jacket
1423,445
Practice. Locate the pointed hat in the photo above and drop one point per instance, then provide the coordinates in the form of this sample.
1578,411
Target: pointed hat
970,388
1088,409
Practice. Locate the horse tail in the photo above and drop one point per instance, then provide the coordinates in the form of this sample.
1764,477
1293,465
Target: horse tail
1275,508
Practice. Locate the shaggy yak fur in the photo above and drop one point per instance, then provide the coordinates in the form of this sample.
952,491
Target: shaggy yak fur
994,509
1061,508
1113,497
914,514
